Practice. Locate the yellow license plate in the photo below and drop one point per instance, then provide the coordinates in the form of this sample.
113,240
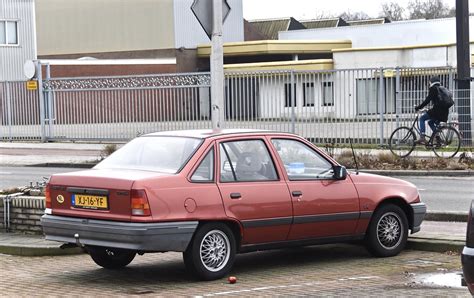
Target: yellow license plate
90,202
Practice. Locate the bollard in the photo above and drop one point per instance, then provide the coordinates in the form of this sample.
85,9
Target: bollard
6,209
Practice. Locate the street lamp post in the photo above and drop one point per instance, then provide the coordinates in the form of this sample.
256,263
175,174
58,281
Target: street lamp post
217,67
463,67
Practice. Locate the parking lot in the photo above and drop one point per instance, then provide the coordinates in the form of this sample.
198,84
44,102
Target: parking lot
334,270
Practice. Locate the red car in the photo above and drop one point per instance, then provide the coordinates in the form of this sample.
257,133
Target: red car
212,194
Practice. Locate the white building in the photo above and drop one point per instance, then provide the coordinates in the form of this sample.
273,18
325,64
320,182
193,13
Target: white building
17,37
395,34
361,80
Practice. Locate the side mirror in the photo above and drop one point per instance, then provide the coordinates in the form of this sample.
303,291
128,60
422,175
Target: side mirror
340,172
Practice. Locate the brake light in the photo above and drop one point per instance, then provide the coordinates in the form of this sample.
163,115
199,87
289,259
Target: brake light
139,203
47,196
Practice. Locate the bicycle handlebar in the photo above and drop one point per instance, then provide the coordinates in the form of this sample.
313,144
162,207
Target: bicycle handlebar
421,111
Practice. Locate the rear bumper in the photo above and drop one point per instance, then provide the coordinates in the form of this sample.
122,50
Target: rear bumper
419,212
467,259
166,236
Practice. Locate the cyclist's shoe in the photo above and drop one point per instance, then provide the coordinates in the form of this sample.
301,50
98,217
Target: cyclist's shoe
421,140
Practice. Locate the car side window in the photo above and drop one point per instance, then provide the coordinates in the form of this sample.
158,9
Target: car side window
205,171
301,162
247,160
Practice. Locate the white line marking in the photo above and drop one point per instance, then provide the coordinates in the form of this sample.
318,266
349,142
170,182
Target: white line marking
287,286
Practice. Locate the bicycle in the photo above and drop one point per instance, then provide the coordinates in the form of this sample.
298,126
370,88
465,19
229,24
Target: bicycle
445,141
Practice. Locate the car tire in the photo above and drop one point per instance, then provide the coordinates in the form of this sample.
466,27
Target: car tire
111,258
219,242
388,231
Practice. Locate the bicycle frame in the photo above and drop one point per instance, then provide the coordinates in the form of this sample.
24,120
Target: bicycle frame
415,127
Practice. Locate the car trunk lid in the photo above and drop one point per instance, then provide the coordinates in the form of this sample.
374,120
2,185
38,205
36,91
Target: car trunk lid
96,193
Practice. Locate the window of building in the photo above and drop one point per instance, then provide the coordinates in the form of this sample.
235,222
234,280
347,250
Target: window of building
8,32
328,93
289,101
308,94
368,96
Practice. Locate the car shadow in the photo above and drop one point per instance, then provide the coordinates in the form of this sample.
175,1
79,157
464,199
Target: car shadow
294,257
160,269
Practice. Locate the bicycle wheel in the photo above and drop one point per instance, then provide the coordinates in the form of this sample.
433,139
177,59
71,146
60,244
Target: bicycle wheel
402,141
446,142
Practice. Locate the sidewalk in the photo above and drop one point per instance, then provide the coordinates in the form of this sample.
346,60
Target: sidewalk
434,236
24,154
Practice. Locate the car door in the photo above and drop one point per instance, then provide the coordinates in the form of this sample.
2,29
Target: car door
253,191
322,205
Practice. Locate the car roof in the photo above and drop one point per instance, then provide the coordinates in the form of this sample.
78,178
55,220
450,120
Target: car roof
208,133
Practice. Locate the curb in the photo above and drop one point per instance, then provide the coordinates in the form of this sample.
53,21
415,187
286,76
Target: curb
435,245
31,251
421,244
431,173
64,165
446,216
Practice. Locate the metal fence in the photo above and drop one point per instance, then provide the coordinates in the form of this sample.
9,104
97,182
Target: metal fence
19,112
329,106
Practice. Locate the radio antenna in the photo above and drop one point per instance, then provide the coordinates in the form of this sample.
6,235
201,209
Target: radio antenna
354,156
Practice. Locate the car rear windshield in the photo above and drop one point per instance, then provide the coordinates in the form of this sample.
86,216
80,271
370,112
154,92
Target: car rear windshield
160,154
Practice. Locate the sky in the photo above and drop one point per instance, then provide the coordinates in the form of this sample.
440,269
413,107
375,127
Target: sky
309,9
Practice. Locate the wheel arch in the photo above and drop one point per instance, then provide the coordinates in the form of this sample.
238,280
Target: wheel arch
400,202
233,225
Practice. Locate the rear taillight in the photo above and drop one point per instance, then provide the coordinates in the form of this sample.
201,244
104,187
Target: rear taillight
47,196
139,203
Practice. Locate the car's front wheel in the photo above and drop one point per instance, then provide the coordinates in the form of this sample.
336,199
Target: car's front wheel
388,231
111,258
211,253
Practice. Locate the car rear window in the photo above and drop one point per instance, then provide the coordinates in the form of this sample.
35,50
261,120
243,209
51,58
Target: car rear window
158,153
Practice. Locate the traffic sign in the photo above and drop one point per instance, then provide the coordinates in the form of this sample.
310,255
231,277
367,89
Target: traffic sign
202,9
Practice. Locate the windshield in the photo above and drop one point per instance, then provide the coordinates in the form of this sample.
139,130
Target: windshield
160,154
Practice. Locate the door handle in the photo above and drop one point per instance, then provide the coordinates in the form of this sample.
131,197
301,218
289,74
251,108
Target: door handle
235,195
297,193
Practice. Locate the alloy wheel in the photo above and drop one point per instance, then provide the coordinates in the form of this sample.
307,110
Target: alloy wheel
215,250
389,230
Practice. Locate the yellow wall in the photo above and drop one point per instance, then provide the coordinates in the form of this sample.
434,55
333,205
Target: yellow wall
316,64
89,26
266,47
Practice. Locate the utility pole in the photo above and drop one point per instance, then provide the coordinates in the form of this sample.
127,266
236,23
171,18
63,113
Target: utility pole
464,68
217,67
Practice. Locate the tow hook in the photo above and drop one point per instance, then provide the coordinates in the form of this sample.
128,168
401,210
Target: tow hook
72,245
78,243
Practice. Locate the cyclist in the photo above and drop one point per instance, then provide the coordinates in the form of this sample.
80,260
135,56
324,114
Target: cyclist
436,114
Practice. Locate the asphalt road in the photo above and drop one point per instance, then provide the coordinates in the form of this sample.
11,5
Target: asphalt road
439,193
22,176
445,193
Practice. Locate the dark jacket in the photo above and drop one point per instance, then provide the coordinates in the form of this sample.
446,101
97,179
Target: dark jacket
436,112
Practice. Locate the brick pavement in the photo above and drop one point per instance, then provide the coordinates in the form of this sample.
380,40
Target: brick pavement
332,270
